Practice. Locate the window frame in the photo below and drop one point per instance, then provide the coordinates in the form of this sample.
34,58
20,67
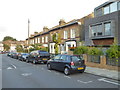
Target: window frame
106,33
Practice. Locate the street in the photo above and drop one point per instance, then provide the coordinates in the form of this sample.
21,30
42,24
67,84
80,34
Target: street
18,74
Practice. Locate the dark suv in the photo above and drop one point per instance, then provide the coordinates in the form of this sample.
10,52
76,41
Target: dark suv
66,63
38,57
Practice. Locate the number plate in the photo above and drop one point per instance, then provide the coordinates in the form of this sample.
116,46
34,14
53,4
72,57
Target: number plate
44,59
80,68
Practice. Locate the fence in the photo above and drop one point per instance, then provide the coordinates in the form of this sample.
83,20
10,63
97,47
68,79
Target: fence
113,61
102,62
93,58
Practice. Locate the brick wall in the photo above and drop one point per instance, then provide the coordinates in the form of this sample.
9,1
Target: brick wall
102,64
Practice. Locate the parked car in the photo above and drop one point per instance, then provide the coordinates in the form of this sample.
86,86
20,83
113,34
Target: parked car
38,57
15,55
10,54
23,56
67,63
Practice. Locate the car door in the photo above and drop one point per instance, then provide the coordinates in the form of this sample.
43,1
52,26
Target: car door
55,62
62,62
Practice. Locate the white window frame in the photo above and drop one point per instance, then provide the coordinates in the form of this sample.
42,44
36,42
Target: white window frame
38,40
72,33
42,39
46,39
65,34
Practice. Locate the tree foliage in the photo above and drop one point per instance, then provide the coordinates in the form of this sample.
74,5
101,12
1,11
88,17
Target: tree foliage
19,48
57,40
113,51
80,50
9,38
6,47
95,51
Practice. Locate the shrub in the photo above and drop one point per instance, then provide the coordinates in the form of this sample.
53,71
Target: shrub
80,50
113,52
95,51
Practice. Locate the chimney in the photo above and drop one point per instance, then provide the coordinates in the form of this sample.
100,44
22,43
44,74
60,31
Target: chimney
35,33
31,35
62,22
45,29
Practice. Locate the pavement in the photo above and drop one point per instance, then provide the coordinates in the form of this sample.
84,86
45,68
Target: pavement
103,72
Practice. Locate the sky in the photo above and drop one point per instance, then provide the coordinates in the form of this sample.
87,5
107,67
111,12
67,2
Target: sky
14,14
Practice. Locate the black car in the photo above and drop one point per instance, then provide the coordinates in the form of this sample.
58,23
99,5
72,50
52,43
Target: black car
38,57
15,55
67,63
23,56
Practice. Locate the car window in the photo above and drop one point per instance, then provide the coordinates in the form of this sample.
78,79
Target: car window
57,57
74,58
63,57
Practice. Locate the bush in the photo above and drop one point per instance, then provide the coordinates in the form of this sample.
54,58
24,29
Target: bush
95,51
113,51
80,50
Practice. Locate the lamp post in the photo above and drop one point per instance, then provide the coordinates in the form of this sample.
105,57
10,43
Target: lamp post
28,34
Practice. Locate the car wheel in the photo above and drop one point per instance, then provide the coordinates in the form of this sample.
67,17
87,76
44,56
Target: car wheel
66,71
45,62
27,61
34,62
49,66
82,71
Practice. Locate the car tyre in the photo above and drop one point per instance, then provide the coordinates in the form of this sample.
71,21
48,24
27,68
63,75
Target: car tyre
49,66
34,62
27,61
82,71
66,71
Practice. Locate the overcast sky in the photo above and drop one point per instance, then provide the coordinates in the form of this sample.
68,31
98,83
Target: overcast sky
14,14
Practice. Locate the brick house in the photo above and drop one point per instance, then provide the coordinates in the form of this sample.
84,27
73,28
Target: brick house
104,28
72,34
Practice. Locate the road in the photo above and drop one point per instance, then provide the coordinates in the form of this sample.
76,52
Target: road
18,74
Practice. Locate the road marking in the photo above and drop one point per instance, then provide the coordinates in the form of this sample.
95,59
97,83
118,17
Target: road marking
103,79
67,77
9,68
13,66
84,82
26,74
48,70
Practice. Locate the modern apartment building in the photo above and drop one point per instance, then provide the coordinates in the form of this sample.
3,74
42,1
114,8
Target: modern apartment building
104,28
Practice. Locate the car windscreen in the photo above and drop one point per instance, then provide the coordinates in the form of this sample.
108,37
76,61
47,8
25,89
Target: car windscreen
25,54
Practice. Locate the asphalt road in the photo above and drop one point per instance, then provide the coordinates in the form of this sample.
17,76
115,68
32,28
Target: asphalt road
18,74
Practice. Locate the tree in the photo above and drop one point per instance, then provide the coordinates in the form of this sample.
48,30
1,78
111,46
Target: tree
6,47
19,48
9,38
57,40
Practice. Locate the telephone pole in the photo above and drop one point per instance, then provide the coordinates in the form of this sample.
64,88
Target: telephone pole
28,34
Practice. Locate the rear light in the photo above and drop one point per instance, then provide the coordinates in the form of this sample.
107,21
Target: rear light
72,63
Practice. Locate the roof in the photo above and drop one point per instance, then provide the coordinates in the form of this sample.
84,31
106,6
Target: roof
102,5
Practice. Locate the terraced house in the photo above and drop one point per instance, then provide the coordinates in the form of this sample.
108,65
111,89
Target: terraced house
104,28
71,33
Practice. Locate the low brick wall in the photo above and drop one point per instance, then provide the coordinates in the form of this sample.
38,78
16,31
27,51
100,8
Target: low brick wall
102,64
